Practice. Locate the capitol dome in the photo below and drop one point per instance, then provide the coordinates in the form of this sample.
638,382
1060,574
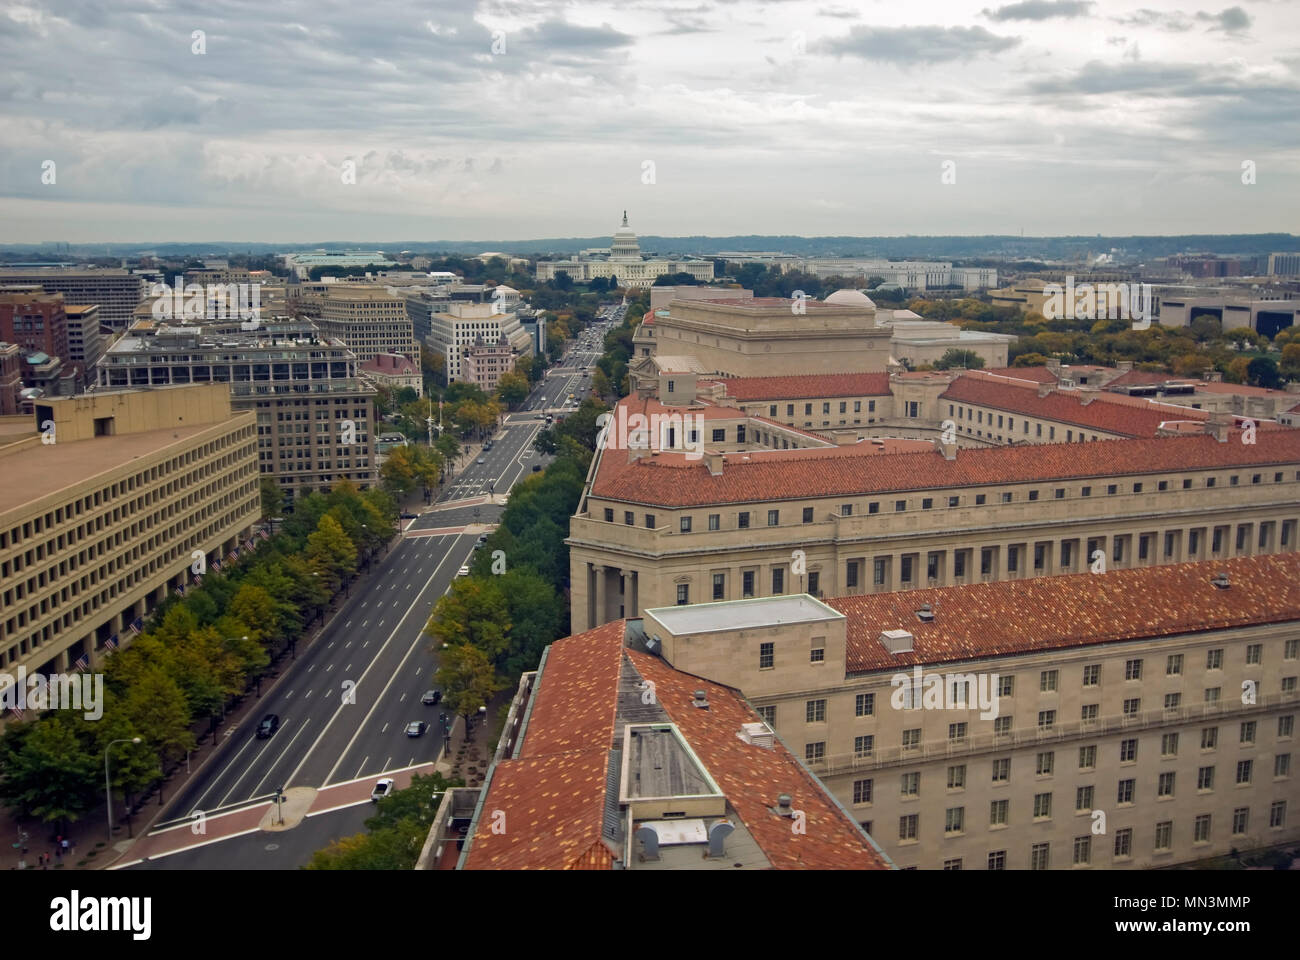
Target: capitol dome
625,245
851,298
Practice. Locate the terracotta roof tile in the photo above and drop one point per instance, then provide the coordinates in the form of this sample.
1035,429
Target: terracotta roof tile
1049,613
669,480
575,707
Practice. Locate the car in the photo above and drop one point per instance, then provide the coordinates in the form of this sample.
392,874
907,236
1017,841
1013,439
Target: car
541,416
480,461
407,515
487,445
431,698
463,571
482,538
270,723
382,789
537,468
416,728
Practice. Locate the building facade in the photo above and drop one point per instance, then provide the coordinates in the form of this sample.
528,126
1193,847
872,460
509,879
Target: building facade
459,325
117,292
107,499
369,320
624,264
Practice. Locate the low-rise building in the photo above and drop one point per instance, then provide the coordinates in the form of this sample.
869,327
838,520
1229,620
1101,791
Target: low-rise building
394,371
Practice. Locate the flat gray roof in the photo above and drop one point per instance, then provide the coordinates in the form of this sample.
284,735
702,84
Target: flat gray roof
743,614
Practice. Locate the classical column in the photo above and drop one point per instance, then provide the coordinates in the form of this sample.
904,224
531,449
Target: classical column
601,607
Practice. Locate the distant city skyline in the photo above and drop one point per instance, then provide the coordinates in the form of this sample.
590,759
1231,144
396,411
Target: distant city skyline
505,119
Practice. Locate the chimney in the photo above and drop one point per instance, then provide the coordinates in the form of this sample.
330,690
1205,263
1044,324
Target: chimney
715,462
1218,426
1124,366
949,450
1053,367
1086,397
1045,388
896,641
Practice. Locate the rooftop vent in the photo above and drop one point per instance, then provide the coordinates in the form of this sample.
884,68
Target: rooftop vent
653,643
759,734
896,641
784,806
925,614
1221,581
701,700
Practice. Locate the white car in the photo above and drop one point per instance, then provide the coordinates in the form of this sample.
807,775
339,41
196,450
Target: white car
463,571
382,789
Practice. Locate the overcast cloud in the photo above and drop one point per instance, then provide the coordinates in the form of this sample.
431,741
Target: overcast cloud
509,119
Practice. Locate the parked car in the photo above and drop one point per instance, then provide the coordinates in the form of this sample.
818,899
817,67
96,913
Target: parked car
416,728
431,698
270,723
480,461
537,467
382,789
410,516
463,571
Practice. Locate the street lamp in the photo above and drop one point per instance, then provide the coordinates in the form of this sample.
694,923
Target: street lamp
108,789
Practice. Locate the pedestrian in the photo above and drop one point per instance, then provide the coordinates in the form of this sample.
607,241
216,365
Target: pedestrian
65,845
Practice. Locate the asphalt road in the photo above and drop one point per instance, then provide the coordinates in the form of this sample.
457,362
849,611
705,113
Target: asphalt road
346,700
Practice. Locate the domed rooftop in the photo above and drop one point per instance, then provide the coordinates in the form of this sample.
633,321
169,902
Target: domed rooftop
851,298
625,245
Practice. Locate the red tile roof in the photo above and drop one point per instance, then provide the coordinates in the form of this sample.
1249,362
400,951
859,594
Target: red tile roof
1070,611
1102,413
802,387
1032,374
752,778
669,480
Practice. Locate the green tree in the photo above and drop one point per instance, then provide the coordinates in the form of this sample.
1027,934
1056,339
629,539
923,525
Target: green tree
466,678
474,611
968,359
330,552
272,498
513,389
46,772
1262,372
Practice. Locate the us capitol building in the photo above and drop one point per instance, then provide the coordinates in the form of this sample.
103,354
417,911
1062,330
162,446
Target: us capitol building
623,262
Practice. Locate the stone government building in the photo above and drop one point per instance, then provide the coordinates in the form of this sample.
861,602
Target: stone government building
623,261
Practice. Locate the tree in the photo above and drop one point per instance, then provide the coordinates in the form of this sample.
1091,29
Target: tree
513,389
330,552
473,611
272,498
544,442
467,680
396,833
1244,338
600,385
46,773
563,281
1262,372
953,357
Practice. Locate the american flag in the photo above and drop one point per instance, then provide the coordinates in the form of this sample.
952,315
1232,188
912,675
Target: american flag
111,642
264,535
250,544
198,581
16,712
136,626
234,554
216,564
180,588
83,661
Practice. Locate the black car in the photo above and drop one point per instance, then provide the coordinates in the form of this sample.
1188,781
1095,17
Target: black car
431,697
270,723
410,516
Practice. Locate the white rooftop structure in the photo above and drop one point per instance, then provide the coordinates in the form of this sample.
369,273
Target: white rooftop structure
743,614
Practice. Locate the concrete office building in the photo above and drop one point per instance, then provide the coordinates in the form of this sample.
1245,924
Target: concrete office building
369,320
11,378
1263,316
958,744
459,325
85,344
314,410
35,321
1284,264
97,527
117,292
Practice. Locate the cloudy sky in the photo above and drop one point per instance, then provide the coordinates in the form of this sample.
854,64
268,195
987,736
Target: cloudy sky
496,119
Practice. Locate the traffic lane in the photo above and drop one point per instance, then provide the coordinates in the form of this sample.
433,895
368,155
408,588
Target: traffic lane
380,742
323,761
253,757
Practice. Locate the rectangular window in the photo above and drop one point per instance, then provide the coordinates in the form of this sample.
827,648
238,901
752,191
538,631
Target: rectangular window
1046,719
1001,726
766,655
1247,731
1088,712
742,520
1124,842
1174,665
1005,685
1214,659
1040,856
1087,757
861,791
1045,762
1083,798
1244,769
683,594
1205,778
1169,745
1132,706
1165,785
684,524
814,751
864,745
957,777
815,711
807,514
715,521
907,827
998,860
1201,829
998,813
1254,653
1128,750
1042,805
773,518
864,705
954,820
1277,814
1164,834
1125,792
1092,675
1082,851
912,738
1133,670
911,784
1285,726
1282,765
1209,738
778,581
719,586
956,732
1047,681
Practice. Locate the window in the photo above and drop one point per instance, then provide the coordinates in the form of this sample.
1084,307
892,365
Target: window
815,711
1165,785
873,507
1040,856
778,581
1214,659
1133,670
629,518
1092,675
1132,706
1125,792
911,784
1005,686
747,583
864,746
979,499
1088,713
1201,829
1042,805
1169,745
1124,842
1244,770
1247,731
998,813
1001,726
1046,719
1291,649
1240,819
649,521
907,827
1277,814
1174,665
912,738
956,732
719,586
609,515
1254,653
957,777
1045,763
807,514
1128,750
846,510
1172,700
1212,694
1033,494
768,715
954,820
954,864
878,571
1002,770
715,521
900,506
773,518
1082,851
1209,738
1285,726
861,791
998,860
817,653
683,594
864,704
927,503
954,501
1205,778
1047,681
814,751
851,574
742,520
1087,757
1164,834
1083,798
766,655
